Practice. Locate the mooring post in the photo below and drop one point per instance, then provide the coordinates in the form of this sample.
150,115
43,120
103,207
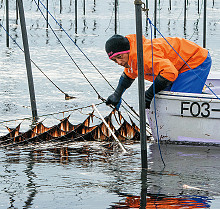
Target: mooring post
116,4
155,18
204,25
75,16
141,88
7,22
27,60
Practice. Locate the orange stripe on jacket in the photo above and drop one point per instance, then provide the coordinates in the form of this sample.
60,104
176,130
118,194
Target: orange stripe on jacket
166,60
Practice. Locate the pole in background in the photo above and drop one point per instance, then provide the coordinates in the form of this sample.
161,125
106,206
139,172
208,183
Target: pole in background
7,22
184,14
61,6
116,4
75,16
141,88
155,18
146,14
47,17
16,11
27,60
84,7
204,25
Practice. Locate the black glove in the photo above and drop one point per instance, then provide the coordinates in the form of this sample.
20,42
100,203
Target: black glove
124,83
160,83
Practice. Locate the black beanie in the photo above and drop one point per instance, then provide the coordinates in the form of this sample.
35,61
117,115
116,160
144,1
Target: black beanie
117,44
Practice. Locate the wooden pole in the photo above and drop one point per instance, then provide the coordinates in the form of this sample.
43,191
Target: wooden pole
27,60
141,88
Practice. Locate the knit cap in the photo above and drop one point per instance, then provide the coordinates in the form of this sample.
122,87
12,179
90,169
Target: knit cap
117,44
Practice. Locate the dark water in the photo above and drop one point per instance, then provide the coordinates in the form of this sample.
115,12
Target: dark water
43,177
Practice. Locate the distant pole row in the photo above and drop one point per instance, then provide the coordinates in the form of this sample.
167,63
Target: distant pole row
185,9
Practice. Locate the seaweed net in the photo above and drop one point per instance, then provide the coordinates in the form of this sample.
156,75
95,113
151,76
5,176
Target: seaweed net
65,133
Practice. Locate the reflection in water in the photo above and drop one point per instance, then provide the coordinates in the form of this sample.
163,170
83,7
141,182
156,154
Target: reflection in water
163,201
31,187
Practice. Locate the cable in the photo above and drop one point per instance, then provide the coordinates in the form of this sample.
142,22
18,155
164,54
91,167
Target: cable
50,114
158,140
86,58
66,95
182,59
68,52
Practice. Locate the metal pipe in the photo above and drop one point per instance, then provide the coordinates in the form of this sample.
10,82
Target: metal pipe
27,60
7,22
204,25
141,88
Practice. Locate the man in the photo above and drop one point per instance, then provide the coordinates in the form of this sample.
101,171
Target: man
170,71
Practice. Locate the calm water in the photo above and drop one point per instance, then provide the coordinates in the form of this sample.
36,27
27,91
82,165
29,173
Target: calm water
44,178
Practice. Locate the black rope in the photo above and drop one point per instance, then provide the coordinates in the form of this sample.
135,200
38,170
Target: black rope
66,95
131,108
69,54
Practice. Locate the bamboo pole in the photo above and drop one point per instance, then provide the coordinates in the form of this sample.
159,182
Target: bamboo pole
115,137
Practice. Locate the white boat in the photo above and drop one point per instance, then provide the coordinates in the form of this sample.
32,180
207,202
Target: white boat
187,117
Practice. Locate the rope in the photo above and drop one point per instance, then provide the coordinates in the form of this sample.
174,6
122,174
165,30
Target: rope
158,140
66,95
182,58
131,108
67,51
50,114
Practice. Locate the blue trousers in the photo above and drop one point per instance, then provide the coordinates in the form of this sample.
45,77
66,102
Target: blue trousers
192,81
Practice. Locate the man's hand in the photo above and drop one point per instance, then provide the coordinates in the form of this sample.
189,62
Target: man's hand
113,99
147,104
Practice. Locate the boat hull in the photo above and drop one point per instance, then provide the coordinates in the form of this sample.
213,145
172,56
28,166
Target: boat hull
185,117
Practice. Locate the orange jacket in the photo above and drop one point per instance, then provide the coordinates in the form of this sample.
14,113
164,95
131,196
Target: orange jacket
166,61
